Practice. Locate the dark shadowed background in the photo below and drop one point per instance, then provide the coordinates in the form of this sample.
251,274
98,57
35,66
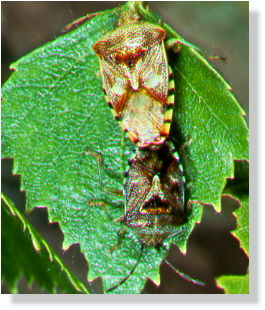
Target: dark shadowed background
219,28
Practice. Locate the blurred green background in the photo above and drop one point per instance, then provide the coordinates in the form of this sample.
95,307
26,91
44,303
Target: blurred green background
221,29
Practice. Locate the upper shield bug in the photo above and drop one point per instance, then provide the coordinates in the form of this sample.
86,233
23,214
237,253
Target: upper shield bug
137,79
154,191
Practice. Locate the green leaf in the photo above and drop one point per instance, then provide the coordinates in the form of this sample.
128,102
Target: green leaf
26,253
56,123
234,284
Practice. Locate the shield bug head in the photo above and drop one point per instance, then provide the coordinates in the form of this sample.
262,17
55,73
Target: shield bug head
137,80
154,192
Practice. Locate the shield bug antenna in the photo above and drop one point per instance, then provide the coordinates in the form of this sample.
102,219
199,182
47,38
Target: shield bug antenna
130,273
137,80
115,192
185,276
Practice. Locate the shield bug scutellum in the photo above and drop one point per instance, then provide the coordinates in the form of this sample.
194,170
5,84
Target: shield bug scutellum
137,79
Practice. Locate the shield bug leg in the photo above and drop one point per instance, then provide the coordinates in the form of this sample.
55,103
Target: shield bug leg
102,203
99,160
184,149
78,22
182,172
175,44
121,235
188,181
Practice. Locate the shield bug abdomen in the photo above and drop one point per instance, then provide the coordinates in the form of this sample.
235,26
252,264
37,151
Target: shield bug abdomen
154,191
142,118
137,80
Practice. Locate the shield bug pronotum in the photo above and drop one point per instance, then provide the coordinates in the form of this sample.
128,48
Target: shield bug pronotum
137,79
154,190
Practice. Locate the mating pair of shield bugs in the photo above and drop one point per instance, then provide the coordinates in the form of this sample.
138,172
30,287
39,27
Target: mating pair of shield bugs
139,88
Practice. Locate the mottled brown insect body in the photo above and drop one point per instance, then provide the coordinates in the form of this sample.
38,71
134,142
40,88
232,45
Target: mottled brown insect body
143,119
137,80
154,191
133,52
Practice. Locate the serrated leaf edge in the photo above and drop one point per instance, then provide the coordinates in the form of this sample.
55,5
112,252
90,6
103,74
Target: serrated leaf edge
34,236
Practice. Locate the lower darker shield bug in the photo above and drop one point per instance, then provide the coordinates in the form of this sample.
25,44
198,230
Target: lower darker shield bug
154,191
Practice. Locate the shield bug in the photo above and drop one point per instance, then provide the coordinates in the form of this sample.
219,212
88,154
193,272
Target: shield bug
155,199
154,191
137,80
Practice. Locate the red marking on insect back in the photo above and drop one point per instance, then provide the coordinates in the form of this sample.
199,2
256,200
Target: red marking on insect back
130,58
